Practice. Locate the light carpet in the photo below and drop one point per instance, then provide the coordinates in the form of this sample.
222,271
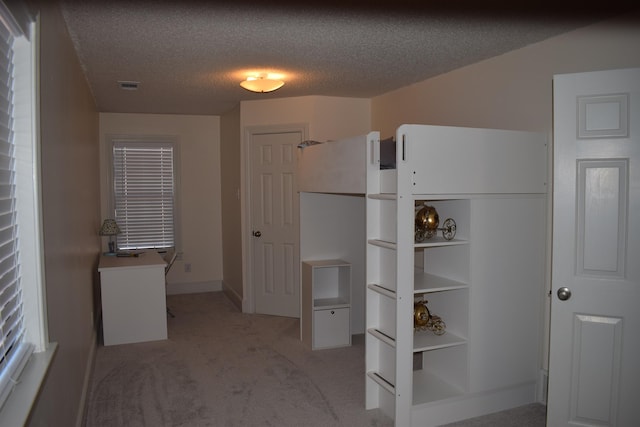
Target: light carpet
221,367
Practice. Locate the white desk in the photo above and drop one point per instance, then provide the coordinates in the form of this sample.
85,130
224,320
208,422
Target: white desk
134,306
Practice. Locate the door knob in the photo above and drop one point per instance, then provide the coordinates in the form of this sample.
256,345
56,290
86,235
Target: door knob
564,294
257,233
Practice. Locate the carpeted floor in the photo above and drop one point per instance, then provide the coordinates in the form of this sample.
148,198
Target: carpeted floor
220,367
533,415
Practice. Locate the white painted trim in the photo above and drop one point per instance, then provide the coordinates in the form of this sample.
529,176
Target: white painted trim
233,296
28,193
87,377
194,287
473,405
542,387
18,405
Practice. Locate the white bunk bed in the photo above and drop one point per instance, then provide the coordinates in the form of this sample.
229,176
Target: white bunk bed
487,283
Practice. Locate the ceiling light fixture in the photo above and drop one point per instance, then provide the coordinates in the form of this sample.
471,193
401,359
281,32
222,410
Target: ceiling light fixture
261,83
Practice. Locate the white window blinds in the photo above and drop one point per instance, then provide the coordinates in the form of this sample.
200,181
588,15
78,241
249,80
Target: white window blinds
144,194
13,350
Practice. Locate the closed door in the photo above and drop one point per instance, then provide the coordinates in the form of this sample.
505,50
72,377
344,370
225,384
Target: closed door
275,218
594,366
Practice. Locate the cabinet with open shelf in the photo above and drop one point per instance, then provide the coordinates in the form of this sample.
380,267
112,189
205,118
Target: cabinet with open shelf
441,281
326,303
483,282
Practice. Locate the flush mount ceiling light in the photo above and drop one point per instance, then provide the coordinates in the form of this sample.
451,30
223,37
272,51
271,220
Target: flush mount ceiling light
261,83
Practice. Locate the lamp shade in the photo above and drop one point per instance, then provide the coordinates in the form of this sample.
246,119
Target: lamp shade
109,228
261,84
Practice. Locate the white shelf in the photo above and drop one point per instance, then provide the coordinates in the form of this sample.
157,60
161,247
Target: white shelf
328,263
440,241
324,303
425,283
427,340
427,388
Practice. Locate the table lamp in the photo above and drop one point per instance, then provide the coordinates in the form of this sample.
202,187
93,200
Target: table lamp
110,228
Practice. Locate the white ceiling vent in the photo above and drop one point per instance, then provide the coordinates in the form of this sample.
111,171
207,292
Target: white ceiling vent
128,85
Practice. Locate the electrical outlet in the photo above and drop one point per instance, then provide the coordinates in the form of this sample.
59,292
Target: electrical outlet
187,267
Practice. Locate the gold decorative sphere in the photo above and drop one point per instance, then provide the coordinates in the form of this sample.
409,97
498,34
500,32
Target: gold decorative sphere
421,314
427,221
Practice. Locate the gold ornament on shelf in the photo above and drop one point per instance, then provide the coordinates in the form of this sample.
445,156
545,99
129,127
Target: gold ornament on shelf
421,314
426,225
424,320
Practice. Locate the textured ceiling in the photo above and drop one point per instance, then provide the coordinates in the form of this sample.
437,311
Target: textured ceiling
189,56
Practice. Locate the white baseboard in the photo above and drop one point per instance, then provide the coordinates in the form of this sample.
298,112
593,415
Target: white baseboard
472,405
88,372
543,384
194,287
235,298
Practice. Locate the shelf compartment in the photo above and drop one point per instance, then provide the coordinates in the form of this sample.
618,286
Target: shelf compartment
386,385
331,282
426,283
389,293
452,307
428,387
427,340
447,262
382,336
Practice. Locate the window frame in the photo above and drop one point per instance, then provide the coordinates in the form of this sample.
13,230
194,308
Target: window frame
17,407
149,139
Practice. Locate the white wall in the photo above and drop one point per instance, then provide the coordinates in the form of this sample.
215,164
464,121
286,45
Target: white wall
511,91
325,118
231,214
200,190
328,118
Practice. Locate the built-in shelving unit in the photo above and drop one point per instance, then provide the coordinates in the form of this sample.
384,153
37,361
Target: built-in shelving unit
486,283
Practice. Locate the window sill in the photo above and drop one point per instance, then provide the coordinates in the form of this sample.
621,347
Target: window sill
16,410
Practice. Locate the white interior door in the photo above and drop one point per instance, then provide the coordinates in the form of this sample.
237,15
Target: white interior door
274,220
594,366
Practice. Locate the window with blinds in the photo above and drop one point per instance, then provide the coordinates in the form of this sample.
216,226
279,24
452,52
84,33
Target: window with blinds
13,350
144,194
